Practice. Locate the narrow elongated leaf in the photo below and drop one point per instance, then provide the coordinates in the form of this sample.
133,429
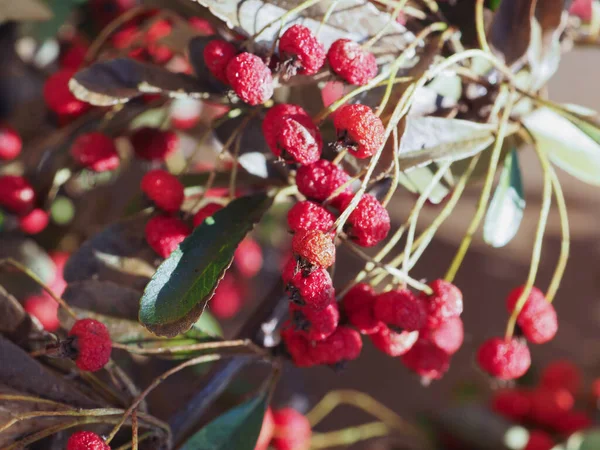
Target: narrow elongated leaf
184,283
504,215
570,147
237,429
435,139
118,80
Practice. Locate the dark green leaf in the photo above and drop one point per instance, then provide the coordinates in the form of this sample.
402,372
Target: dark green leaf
184,283
504,215
237,429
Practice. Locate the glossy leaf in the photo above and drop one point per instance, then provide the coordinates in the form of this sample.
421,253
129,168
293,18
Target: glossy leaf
184,283
505,212
237,429
575,149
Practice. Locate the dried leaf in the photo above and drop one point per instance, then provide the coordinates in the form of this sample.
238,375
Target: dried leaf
24,10
15,323
510,31
103,297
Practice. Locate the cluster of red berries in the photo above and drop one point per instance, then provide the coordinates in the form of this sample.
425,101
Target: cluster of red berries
18,197
300,52
284,429
537,321
548,408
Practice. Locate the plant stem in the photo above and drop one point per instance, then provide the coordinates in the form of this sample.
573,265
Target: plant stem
565,236
192,347
348,436
480,27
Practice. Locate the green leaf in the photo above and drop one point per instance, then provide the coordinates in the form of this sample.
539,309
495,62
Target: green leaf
208,324
574,147
417,180
237,429
184,283
504,215
434,139
584,440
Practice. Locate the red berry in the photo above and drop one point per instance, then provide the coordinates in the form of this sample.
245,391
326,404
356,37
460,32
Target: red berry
348,60
59,98
572,421
314,325
125,37
205,212
217,55
299,45
159,29
16,194
400,308
539,440
514,404
153,144
227,300
86,440
95,151
248,258
299,348
92,343
369,223
164,189
305,215
448,336
319,180
547,405
297,140
426,360
266,431
273,117
504,360
392,343
537,319
74,56
583,9
45,309
345,344
165,233
292,430
314,247
359,130
203,26
10,143
535,303
314,289
34,222
358,305
250,78
562,374
445,303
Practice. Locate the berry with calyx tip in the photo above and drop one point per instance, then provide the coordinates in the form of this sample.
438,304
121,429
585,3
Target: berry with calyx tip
319,180
153,144
10,143
91,343
34,222
266,431
164,189
392,343
299,348
444,303
448,336
400,308
273,118
349,61
217,54
59,98
250,78
45,309
95,151
205,212
369,223
16,194
297,140
547,405
426,360
514,404
306,215
358,304
248,258
314,247
539,440
506,360
304,51
537,318
227,300
86,440
314,289
314,325
345,344
165,233
562,374
292,430
359,130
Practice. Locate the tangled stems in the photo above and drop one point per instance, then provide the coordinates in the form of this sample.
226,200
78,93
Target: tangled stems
537,246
